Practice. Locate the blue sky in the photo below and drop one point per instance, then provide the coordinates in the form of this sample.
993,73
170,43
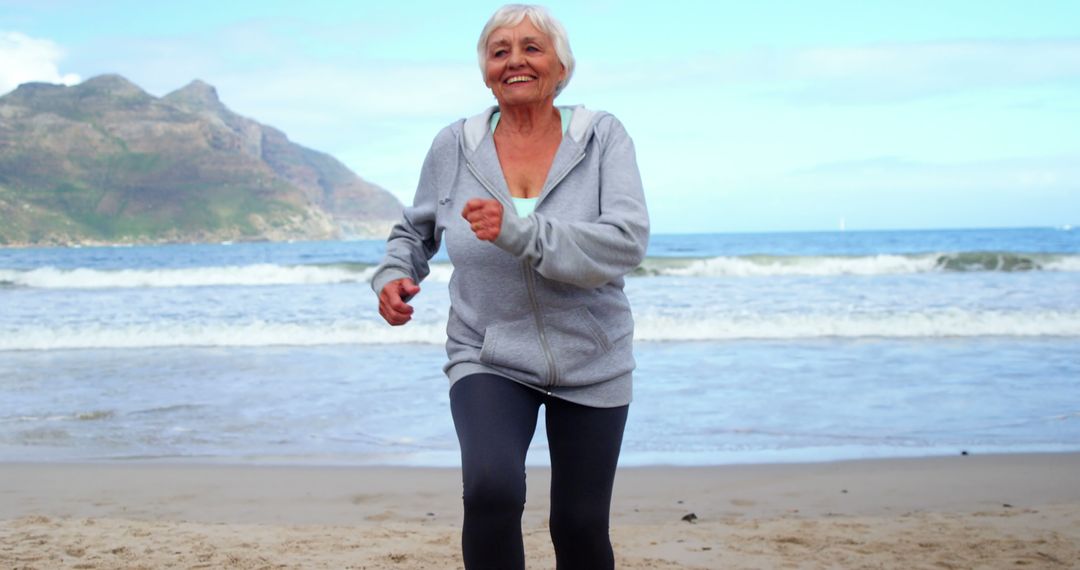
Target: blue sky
747,116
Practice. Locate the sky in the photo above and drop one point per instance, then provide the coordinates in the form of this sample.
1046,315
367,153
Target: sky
746,116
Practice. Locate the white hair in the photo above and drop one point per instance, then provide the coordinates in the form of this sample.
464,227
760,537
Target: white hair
511,15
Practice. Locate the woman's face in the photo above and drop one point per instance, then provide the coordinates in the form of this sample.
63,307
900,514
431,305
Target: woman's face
522,66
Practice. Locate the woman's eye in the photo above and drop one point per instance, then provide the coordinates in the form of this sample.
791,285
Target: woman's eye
498,53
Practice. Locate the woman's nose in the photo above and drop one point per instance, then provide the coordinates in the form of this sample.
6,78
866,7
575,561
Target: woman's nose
517,57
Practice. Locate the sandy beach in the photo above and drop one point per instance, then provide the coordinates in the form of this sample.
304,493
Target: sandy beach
1000,511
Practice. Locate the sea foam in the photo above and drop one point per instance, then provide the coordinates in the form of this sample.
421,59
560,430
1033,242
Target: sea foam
724,266
883,264
227,276
649,328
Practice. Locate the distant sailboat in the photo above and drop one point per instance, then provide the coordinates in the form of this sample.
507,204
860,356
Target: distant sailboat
843,225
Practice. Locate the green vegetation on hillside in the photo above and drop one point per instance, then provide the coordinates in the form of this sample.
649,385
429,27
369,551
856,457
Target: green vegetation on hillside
104,161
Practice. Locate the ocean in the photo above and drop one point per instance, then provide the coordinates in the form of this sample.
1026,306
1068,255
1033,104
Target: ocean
778,347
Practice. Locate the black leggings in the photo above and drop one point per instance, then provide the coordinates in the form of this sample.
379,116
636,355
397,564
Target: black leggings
495,419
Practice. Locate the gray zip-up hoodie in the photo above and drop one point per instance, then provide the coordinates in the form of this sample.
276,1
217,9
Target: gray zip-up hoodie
543,305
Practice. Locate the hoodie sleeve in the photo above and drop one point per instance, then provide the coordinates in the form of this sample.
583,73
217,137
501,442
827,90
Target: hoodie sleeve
589,254
414,240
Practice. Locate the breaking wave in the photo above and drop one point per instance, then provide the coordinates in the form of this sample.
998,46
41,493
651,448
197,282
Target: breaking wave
232,276
776,265
649,328
725,266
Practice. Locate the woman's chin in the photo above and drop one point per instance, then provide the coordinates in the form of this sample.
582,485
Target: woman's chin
521,99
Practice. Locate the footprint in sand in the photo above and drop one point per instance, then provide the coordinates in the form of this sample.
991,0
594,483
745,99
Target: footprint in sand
383,516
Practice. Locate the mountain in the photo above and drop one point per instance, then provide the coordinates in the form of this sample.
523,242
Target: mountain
106,162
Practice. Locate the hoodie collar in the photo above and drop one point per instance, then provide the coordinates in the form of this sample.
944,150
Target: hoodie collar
478,126
480,153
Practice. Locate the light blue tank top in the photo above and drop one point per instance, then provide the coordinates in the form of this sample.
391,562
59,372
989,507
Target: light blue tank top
525,206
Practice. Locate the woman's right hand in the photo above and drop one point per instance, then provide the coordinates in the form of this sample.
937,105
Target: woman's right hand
392,305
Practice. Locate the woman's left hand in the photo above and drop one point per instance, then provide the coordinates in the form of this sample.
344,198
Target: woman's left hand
484,217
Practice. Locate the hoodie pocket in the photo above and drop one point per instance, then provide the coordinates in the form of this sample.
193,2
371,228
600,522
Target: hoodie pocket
574,337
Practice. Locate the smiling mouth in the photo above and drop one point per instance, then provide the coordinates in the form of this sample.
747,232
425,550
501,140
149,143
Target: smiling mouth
518,79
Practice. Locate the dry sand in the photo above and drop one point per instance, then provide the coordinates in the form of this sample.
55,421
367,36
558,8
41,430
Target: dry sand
1002,511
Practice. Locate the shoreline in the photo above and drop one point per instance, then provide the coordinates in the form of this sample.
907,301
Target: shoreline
975,511
887,484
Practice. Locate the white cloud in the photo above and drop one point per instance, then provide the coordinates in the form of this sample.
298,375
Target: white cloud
1053,173
856,74
373,90
903,71
888,192
24,59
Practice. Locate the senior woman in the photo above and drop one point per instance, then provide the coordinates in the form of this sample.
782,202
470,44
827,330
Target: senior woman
542,212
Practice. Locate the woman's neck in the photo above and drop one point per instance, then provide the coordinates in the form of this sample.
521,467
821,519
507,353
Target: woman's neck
529,119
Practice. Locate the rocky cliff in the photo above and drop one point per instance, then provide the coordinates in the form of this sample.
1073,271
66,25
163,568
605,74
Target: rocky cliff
104,161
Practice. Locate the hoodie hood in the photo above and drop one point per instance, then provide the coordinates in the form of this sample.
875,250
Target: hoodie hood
479,125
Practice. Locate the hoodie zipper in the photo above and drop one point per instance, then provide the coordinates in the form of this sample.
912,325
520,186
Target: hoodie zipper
555,181
530,284
484,183
552,379
530,280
